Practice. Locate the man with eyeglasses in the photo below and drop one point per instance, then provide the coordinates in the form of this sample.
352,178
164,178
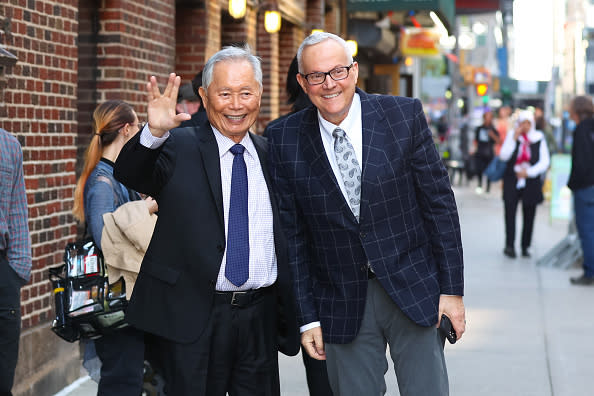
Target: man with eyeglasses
373,230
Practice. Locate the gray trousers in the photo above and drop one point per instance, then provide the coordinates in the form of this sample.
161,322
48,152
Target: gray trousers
358,368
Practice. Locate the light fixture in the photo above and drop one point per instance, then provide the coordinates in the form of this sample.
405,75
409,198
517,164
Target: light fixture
317,31
353,47
237,8
408,61
272,20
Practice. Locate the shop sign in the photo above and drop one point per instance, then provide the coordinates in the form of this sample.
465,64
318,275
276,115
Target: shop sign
419,42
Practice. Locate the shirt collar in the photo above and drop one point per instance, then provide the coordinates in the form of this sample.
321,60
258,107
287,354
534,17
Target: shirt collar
224,143
348,124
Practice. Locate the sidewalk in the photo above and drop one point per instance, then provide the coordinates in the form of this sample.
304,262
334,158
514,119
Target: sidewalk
529,332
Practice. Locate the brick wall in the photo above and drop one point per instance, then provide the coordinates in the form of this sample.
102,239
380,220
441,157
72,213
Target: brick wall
47,105
315,14
268,50
74,54
136,39
290,37
40,108
87,95
190,46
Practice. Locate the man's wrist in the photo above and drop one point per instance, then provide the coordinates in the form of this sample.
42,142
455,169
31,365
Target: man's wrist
309,326
158,133
147,139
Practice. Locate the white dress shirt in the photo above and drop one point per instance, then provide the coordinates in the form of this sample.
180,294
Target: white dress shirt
262,261
352,125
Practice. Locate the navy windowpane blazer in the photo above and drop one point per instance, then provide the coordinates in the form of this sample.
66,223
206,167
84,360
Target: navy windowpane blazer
409,229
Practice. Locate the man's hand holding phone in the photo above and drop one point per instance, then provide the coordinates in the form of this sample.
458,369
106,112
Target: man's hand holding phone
445,326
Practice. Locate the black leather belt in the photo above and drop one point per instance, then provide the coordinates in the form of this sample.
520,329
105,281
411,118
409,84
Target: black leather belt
241,299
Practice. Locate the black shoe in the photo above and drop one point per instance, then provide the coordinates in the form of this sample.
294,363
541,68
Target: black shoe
525,253
509,252
582,280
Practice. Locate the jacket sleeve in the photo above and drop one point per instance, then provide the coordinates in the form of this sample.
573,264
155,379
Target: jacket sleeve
144,169
295,233
438,206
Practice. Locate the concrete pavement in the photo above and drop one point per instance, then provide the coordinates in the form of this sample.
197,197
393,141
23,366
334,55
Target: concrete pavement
529,332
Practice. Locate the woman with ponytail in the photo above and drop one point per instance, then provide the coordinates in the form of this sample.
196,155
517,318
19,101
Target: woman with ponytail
97,193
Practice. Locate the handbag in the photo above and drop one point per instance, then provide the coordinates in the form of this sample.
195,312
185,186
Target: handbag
495,169
86,305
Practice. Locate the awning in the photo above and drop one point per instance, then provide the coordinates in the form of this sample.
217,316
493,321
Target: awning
464,7
445,9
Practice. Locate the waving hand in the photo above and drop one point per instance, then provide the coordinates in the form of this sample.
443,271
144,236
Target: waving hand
161,107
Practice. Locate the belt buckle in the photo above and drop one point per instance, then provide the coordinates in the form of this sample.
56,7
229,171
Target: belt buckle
233,298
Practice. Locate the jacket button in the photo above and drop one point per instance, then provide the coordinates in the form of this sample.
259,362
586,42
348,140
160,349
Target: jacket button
212,283
363,235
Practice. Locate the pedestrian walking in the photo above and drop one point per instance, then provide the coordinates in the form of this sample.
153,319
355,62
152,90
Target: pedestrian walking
581,182
527,156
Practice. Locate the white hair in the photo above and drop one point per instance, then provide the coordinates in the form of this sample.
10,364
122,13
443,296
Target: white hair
317,38
232,53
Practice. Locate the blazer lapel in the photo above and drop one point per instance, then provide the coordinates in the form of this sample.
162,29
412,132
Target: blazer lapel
262,150
315,156
212,165
374,136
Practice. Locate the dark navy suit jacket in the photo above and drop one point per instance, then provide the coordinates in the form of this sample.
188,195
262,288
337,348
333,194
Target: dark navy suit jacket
409,230
174,292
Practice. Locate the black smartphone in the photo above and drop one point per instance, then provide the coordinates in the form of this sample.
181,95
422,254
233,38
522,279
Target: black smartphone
447,329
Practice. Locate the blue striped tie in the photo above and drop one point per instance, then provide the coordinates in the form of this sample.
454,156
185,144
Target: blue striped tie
238,237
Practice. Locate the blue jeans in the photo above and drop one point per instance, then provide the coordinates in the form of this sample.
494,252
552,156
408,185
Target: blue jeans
584,220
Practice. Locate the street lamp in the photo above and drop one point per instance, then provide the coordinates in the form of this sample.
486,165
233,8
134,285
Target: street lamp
272,19
237,8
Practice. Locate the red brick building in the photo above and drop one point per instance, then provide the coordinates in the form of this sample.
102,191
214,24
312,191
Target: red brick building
72,55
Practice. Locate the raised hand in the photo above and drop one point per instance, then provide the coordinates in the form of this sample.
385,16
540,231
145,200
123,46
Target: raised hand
161,107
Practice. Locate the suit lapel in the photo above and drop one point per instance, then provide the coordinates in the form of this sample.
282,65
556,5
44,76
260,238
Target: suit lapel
212,165
374,136
315,155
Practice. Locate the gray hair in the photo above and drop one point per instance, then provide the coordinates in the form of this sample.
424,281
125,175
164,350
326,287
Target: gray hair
232,53
317,38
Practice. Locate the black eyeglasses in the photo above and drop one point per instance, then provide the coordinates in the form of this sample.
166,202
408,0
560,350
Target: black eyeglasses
337,74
